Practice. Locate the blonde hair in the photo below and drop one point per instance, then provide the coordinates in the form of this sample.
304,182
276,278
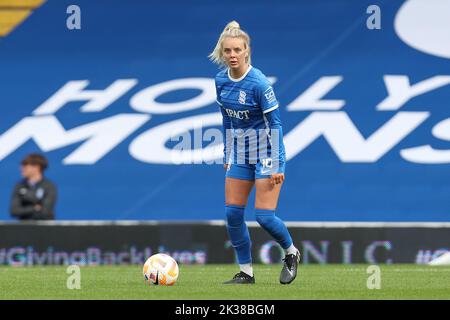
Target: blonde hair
232,30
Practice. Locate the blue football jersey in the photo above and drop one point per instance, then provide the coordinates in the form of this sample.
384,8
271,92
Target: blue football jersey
245,103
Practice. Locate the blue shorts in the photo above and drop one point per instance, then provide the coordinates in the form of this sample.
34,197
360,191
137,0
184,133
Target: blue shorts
253,171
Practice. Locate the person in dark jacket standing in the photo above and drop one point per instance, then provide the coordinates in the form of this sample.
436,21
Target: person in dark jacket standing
34,197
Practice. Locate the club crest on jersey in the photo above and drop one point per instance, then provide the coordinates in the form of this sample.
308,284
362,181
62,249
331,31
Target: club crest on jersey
242,96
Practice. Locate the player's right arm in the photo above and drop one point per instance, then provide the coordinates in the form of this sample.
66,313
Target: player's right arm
226,131
226,134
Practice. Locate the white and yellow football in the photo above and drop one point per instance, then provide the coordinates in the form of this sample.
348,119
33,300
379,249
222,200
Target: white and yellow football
160,269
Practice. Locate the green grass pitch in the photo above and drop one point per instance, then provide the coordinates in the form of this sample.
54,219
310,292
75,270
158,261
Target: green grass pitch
205,282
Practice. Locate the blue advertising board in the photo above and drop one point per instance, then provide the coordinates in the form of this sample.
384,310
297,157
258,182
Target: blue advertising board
363,90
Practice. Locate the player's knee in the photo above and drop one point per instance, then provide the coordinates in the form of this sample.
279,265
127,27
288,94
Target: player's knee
235,215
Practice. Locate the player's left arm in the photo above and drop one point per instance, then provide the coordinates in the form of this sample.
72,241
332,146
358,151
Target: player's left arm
276,132
270,109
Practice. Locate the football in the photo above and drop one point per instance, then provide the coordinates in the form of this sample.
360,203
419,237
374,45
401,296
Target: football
160,269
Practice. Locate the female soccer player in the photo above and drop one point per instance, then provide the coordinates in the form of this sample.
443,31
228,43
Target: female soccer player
253,151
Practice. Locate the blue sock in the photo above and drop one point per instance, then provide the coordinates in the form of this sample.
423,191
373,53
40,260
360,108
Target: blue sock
238,233
274,226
